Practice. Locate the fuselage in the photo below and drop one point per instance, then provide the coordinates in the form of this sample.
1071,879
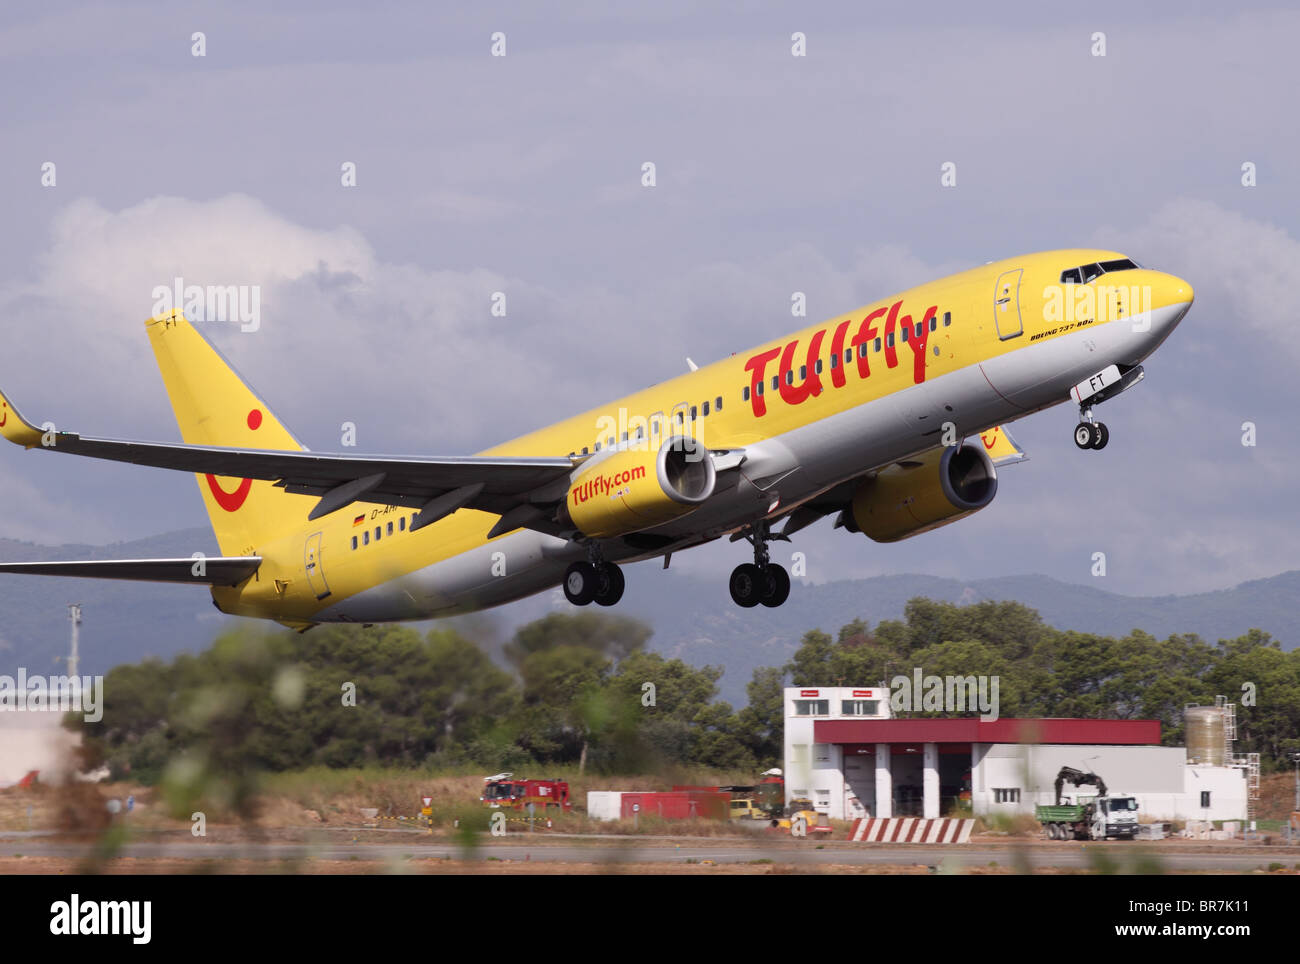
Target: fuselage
810,410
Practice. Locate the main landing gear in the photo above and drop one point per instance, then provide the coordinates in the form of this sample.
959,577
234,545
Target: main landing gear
595,581
1089,433
760,581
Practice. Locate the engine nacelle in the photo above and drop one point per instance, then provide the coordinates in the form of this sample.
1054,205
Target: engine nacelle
636,488
940,486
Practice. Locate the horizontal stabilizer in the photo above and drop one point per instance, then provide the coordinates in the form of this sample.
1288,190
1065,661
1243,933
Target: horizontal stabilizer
211,571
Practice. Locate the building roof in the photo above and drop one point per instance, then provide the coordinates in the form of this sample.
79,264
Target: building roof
974,730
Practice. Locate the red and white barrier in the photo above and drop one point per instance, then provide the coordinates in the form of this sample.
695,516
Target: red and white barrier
911,830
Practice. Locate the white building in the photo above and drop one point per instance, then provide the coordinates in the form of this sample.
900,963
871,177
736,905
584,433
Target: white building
845,754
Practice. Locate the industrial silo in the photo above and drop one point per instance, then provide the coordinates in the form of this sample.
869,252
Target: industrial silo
1205,735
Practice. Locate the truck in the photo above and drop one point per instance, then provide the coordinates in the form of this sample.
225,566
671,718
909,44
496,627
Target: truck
503,791
762,801
1097,817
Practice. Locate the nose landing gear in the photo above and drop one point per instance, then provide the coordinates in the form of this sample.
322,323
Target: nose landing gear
1089,433
761,581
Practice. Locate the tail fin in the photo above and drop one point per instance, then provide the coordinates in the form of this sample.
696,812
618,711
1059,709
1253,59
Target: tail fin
213,406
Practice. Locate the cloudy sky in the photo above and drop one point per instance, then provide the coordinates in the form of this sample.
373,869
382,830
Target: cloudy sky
775,173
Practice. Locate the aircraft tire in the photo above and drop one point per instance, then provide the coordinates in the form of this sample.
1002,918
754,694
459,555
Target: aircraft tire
747,585
581,583
1100,435
1083,435
777,586
611,585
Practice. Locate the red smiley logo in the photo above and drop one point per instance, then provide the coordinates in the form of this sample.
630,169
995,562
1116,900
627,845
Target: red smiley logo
232,501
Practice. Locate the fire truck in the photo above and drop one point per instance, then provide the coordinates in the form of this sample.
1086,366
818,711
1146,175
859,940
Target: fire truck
503,791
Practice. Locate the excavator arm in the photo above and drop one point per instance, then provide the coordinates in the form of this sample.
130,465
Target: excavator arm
1078,778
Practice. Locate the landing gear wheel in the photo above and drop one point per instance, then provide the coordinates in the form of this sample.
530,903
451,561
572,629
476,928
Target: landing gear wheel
1100,435
747,585
611,585
581,583
1083,435
777,586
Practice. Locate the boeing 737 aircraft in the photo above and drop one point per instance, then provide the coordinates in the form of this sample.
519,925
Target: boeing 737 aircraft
889,419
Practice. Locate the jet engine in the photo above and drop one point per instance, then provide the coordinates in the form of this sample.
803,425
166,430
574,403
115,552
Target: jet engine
635,488
936,488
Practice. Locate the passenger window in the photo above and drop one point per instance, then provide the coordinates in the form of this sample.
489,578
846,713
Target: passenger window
625,436
947,318
889,340
903,334
835,361
584,450
818,366
597,446
848,355
775,383
877,344
365,538
760,388
610,440
704,410
862,349
920,328
744,393
934,323
803,372
378,531
693,411
789,377
717,404
390,528
354,542
401,524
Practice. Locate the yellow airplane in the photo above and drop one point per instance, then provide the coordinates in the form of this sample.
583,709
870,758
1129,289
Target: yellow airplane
870,417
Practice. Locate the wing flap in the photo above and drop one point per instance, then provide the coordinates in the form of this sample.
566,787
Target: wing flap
213,571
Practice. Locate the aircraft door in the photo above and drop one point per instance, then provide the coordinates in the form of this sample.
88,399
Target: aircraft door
315,571
1006,304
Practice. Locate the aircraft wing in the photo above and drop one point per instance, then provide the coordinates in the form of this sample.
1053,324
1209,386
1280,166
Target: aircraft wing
511,487
214,571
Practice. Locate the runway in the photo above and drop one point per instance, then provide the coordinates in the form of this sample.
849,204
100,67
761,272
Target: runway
613,851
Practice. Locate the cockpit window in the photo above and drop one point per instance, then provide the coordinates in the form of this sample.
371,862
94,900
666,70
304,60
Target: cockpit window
1123,264
1087,272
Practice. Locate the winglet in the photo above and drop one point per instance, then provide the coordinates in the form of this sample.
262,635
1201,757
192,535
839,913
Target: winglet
15,428
1001,447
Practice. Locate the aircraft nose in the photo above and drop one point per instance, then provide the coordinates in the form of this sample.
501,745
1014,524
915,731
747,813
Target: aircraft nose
1175,291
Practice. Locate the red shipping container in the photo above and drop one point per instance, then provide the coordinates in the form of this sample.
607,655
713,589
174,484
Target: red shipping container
679,804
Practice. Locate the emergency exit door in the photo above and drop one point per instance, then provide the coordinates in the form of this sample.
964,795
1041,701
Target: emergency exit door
315,571
1006,304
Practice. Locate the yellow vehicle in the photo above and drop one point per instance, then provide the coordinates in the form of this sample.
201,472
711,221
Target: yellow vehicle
747,808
